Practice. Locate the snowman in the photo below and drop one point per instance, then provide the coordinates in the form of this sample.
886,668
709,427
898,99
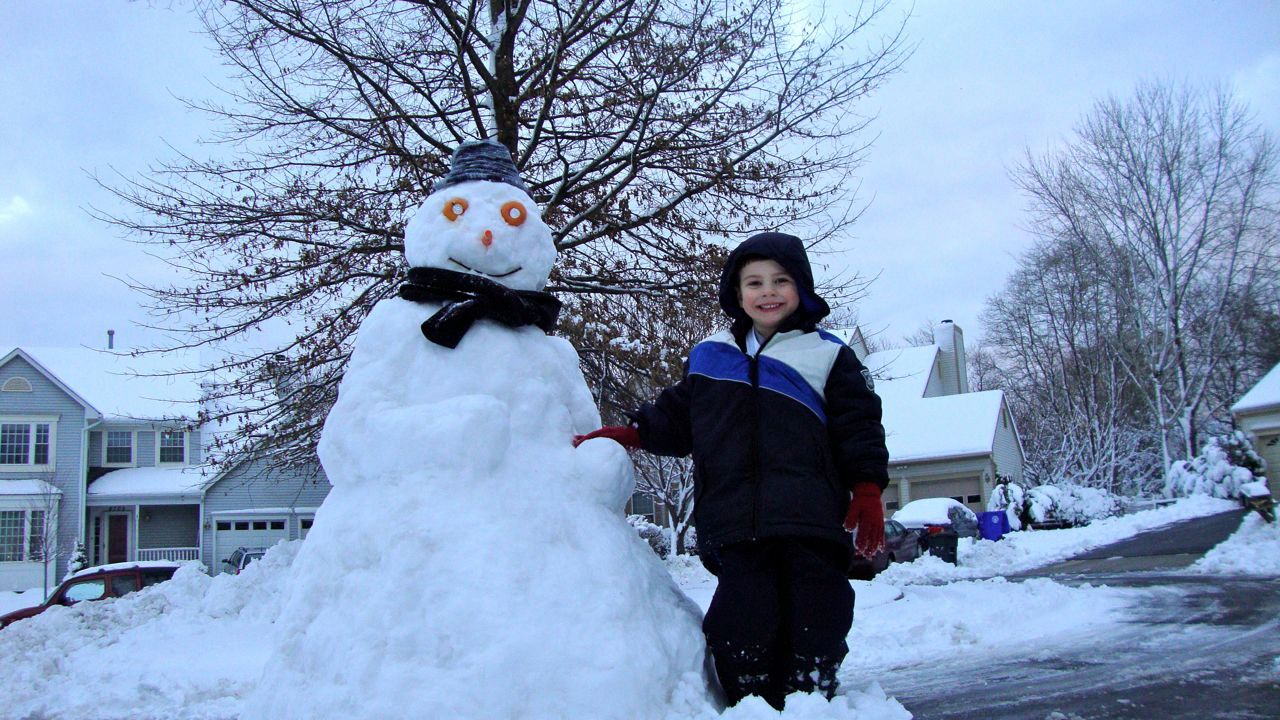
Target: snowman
469,562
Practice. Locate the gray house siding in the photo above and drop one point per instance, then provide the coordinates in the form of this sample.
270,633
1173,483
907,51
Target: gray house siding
48,400
146,449
255,486
1006,451
169,526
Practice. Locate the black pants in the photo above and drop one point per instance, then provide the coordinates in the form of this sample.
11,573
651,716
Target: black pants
779,617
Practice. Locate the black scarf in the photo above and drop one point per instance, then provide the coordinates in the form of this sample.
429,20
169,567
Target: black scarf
468,297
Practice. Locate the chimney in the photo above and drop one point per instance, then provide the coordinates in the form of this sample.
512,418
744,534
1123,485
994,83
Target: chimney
950,340
111,339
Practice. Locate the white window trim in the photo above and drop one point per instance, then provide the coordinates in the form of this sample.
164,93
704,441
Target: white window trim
133,449
52,422
50,516
186,447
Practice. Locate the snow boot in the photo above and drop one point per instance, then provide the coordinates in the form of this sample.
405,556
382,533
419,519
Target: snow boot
813,674
746,671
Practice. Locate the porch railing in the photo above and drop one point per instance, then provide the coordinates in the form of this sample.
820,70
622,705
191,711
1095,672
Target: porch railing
177,554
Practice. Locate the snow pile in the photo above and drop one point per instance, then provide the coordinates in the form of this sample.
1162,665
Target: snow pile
469,561
1254,549
184,648
1028,549
950,622
1074,504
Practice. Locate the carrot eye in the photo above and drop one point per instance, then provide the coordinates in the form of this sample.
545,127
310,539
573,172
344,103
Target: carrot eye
455,208
514,213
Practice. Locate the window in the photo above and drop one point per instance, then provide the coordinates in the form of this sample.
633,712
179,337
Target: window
16,384
173,446
25,443
224,525
892,505
11,535
119,447
277,524
259,524
22,535
974,499
84,590
642,505
35,536
306,523
122,585
242,525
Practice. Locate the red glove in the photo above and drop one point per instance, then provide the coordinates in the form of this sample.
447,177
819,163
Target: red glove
625,435
867,515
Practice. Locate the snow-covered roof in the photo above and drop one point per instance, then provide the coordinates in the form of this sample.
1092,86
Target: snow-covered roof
32,487
903,373
144,481
948,426
1262,396
121,387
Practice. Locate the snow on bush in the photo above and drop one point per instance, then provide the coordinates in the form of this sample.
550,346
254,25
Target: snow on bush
1073,504
1224,465
652,534
1009,497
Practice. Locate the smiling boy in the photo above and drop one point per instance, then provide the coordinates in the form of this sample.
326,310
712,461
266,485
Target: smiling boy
789,454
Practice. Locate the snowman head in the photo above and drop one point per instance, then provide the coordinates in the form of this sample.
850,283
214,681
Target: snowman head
480,219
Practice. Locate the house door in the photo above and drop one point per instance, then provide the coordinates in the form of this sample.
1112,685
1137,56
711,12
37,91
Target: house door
117,538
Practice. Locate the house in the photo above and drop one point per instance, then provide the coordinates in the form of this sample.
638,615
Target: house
944,441
1258,415
103,449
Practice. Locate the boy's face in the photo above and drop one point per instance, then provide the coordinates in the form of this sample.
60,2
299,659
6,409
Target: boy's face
767,293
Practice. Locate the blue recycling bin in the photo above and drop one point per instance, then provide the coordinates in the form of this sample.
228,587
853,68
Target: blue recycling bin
993,525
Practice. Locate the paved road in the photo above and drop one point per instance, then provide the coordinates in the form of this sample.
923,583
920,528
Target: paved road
1199,647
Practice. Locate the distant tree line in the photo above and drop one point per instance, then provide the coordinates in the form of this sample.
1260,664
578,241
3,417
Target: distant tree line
1151,300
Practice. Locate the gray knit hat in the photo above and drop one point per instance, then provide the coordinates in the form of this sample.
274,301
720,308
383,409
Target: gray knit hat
481,160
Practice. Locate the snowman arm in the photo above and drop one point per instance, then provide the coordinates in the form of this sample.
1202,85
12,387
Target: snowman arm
664,424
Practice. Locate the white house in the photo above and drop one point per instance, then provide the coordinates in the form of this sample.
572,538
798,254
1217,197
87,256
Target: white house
944,441
1258,414
103,449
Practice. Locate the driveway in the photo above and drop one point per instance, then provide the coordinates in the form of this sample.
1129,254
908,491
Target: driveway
1200,647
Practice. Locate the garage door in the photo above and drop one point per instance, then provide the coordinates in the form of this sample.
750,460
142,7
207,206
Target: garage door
966,490
249,532
1270,452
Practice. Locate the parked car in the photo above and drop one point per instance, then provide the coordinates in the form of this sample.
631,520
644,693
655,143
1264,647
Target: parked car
99,583
935,515
241,557
901,544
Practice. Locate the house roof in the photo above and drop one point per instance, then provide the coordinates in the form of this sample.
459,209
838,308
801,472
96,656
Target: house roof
942,427
152,481
27,487
901,374
1264,395
117,386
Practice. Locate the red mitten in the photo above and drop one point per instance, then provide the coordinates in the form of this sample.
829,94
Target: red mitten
867,515
625,435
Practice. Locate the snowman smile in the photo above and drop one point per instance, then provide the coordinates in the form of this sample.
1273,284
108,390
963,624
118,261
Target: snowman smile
517,269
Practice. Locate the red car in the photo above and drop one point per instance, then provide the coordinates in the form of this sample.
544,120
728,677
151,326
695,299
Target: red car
901,544
100,583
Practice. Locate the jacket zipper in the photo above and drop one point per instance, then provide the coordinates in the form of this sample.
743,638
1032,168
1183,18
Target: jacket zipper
754,366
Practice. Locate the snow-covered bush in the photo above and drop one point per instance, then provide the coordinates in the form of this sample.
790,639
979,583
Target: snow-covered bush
1009,497
1222,467
1072,504
655,535
78,561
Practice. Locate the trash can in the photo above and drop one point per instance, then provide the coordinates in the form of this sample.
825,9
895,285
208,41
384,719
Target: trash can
993,525
942,545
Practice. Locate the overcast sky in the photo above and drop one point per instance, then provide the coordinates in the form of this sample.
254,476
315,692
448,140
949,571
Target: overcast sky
89,87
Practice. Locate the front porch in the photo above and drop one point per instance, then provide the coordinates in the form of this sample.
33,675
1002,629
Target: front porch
125,533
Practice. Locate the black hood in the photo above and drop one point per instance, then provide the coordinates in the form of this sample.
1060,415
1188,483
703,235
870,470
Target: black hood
787,251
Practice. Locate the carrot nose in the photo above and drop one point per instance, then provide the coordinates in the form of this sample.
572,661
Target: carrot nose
488,238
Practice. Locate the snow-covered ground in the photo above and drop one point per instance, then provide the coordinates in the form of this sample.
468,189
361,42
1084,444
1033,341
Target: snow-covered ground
193,647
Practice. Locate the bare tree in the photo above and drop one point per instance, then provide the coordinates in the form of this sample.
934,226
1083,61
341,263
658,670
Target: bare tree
1171,198
649,130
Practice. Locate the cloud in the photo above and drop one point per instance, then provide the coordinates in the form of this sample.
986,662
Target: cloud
14,208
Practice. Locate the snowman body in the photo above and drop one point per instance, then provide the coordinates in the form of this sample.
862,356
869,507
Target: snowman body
469,562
